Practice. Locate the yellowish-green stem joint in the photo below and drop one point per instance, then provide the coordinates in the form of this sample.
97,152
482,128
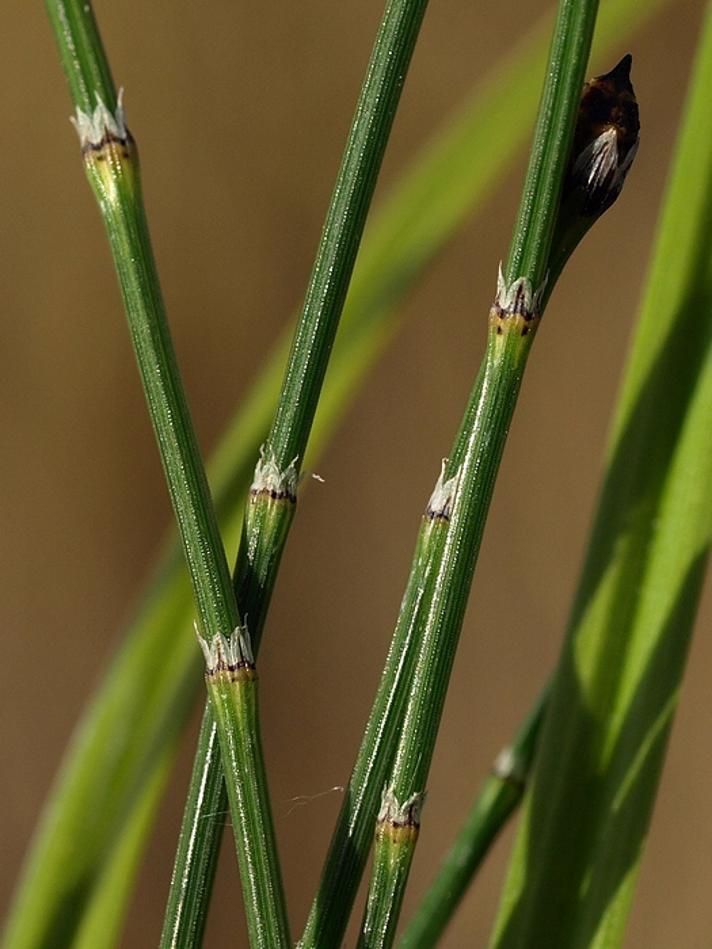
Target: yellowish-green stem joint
270,507
109,151
399,823
440,503
271,482
229,658
517,306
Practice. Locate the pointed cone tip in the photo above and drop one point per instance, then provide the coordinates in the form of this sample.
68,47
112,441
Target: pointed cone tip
621,71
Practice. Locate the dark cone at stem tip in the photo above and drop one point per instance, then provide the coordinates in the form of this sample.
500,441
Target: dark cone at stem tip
605,141
604,145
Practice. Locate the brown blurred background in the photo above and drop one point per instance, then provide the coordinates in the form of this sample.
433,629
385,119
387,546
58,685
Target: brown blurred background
241,112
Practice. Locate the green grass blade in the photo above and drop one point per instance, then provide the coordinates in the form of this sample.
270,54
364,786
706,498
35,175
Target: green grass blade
583,829
103,777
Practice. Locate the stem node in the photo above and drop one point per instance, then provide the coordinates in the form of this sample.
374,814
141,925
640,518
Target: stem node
231,654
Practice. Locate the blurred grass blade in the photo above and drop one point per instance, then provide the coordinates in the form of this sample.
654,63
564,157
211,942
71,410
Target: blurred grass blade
104,774
614,696
103,919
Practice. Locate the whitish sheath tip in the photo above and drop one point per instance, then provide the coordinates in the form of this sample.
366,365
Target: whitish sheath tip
440,503
396,814
518,298
272,481
227,652
95,127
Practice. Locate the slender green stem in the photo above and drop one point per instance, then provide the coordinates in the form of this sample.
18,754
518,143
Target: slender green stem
198,845
496,800
111,163
460,518
353,834
344,224
83,57
232,688
472,468
271,501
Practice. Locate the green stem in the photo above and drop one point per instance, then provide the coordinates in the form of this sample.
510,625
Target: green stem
111,163
353,833
471,471
198,845
344,224
112,170
460,519
271,501
496,800
232,688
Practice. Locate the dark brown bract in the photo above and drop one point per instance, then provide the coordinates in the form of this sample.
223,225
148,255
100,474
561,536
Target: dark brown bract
605,139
